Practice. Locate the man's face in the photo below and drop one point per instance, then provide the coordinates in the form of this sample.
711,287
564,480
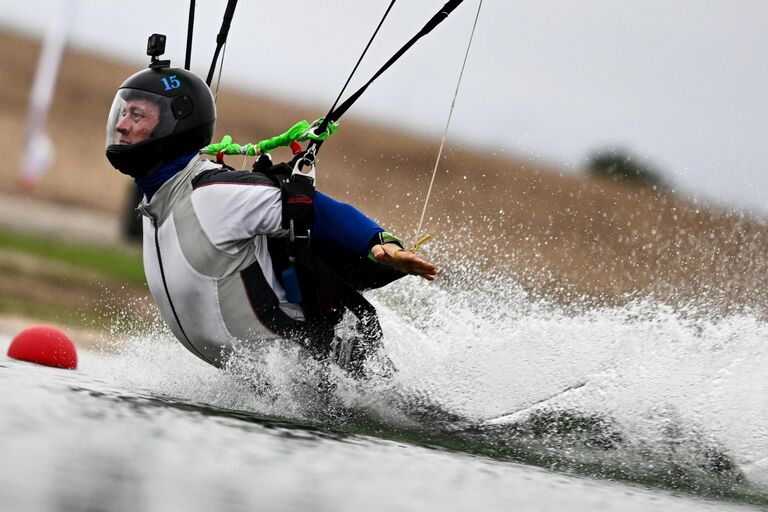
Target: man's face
137,120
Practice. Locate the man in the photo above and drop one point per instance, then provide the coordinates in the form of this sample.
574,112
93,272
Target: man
219,259
138,119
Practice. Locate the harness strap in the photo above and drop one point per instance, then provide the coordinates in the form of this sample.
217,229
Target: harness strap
298,207
190,28
438,18
221,38
370,328
308,279
298,213
386,13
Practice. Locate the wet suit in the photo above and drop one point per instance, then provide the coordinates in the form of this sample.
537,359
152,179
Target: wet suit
214,253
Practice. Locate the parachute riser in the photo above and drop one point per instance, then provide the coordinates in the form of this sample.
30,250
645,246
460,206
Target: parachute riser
335,114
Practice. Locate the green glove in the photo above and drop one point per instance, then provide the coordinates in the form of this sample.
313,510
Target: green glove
384,237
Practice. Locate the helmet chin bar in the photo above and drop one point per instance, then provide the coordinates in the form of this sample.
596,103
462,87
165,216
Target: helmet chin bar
136,160
141,159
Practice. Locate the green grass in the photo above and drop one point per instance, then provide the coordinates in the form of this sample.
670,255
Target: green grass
74,289
120,264
50,312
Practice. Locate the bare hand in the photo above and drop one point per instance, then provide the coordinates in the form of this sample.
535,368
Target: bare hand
404,261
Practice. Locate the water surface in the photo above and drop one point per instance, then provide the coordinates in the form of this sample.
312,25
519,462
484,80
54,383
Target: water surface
518,406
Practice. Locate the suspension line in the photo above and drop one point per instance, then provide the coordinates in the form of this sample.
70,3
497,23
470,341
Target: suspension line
448,121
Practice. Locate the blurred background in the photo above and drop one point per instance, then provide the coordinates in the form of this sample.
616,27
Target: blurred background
598,218
596,150
679,86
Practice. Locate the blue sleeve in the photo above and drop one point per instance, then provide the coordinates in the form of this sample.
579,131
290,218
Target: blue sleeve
343,225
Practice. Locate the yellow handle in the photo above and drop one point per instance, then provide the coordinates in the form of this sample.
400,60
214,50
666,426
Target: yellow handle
419,243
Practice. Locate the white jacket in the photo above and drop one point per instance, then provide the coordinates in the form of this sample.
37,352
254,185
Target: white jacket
207,263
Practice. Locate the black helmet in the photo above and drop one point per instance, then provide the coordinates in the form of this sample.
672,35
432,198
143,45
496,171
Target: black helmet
158,114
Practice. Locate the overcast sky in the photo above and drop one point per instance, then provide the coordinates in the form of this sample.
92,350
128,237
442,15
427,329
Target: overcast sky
682,84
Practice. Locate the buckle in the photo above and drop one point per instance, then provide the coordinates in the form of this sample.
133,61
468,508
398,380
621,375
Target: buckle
292,236
308,160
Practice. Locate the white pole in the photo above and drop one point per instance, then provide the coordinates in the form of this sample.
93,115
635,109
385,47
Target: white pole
38,149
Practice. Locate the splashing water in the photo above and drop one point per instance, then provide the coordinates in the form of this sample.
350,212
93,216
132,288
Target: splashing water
647,392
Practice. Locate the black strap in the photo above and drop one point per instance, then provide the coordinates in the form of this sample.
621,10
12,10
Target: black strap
222,37
330,110
349,297
298,205
190,26
298,192
442,14
298,213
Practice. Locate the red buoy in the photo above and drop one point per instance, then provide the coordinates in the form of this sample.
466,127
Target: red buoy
46,345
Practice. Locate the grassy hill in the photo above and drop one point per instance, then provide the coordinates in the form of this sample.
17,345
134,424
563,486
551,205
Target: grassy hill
563,236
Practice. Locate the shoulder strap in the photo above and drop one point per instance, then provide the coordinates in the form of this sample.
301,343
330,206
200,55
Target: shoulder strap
298,207
298,196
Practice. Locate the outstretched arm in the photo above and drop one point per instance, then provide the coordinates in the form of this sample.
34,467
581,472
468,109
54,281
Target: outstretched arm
344,225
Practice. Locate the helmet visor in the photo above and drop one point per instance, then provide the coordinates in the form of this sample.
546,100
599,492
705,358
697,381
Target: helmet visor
137,116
